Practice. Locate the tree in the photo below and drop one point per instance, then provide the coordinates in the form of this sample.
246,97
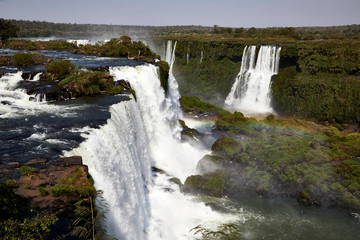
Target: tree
125,39
7,30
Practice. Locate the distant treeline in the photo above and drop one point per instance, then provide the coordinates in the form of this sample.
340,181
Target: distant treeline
47,29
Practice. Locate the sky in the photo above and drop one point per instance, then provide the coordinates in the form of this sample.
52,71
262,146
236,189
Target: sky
225,13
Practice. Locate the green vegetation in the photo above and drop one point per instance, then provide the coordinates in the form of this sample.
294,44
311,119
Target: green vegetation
212,78
43,191
195,105
28,59
58,70
209,183
90,83
303,158
13,208
320,82
47,29
224,231
163,73
73,186
28,171
7,30
33,228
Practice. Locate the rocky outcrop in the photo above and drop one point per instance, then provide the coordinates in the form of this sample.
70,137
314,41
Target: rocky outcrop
44,88
56,184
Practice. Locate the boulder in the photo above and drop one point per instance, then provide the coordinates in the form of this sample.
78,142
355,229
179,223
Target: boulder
227,147
211,184
210,163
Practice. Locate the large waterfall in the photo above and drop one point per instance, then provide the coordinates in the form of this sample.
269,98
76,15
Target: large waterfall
141,134
250,93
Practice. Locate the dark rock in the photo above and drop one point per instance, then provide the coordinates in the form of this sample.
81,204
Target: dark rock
5,102
156,170
71,161
189,133
36,161
215,207
101,68
47,89
25,75
12,165
124,84
305,199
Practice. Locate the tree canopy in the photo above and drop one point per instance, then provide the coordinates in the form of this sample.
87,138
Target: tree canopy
7,30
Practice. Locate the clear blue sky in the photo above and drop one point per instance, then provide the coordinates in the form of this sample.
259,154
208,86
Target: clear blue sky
227,13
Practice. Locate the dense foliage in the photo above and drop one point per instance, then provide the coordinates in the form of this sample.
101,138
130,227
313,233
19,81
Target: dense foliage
47,29
118,47
90,83
58,70
319,81
27,59
211,69
7,30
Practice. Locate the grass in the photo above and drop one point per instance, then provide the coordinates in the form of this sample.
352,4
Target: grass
28,171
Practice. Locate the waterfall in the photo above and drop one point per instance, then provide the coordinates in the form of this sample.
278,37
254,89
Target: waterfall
158,123
120,155
118,159
173,88
15,102
201,57
250,93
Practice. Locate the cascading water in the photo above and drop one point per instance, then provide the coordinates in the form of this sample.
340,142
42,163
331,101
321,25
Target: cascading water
173,87
16,102
118,159
250,93
120,155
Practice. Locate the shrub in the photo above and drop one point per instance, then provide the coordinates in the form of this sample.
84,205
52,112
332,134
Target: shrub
43,191
28,171
27,59
60,69
72,191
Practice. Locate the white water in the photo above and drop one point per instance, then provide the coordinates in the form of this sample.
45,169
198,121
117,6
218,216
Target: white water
178,159
15,102
172,100
250,93
120,154
201,57
118,159
79,42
